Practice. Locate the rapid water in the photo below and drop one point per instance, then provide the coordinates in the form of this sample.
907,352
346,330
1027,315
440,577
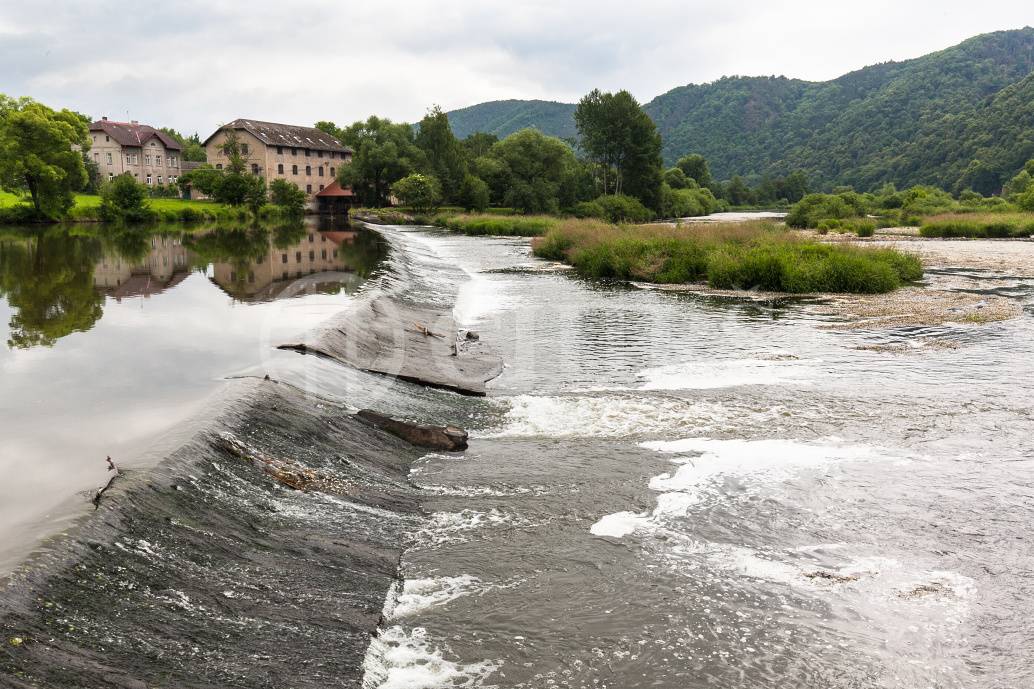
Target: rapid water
661,490
671,491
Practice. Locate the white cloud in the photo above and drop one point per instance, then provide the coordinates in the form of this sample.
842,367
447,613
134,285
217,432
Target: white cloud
194,64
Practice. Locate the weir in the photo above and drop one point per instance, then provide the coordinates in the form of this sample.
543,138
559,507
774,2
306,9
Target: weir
260,553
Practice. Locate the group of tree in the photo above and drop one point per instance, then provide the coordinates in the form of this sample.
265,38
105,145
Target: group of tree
193,149
426,165
42,154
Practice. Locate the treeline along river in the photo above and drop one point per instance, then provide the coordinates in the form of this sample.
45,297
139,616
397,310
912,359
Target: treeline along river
661,490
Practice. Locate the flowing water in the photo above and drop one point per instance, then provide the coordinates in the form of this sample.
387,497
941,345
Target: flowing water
661,490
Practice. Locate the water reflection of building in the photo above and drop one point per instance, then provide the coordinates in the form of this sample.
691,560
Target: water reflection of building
318,259
166,265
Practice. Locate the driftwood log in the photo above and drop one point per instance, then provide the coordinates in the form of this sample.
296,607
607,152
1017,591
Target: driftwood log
448,438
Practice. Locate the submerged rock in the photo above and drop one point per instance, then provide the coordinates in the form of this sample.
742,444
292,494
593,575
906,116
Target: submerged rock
449,438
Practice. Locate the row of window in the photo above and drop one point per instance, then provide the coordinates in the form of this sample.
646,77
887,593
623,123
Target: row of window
256,170
312,256
294,151
133,159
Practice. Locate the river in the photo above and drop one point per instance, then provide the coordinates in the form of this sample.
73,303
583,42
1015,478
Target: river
661,490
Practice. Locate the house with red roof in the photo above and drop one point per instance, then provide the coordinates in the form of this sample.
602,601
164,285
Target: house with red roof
150,155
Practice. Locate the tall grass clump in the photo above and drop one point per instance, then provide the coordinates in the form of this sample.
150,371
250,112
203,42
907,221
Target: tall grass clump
731,256
497,225
979,226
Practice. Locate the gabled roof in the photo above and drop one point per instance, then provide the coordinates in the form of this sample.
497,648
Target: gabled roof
273,134
335,189
134,134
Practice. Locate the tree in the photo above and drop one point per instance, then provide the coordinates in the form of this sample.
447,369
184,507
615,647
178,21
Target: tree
38,156
617,134
385,152
696,168
676,178
417,191
478,144
535,171
444,152
204,178
193,150
287,196
124,199
738,193
473,193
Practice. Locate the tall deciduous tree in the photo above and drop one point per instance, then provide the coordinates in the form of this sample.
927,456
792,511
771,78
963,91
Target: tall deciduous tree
695,167
536,172
443,150
37,156
618,135
385,152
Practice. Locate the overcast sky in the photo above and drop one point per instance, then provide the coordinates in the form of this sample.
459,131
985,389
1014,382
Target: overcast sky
193,64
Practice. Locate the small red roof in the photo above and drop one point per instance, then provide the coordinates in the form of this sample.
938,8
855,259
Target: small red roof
335,189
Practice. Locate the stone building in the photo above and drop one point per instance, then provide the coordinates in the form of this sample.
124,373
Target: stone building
150,155
306,156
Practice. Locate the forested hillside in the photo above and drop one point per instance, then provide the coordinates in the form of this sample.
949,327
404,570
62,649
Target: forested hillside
504,117
919,121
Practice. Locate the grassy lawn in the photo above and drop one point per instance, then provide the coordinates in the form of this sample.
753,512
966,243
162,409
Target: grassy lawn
91,201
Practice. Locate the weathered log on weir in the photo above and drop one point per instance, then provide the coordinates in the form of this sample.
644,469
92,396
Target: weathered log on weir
448,438
417,343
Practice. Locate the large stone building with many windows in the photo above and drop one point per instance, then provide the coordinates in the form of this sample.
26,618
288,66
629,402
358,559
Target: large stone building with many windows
306,156
150,155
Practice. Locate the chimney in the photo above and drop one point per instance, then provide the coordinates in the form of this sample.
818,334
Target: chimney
133,122
105,118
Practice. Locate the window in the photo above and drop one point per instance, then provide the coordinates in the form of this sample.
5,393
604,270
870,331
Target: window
172,161
308,153
157,161
308,188
331,172
283,258
147,160
159,179
244,149
107,139
319,154
312,238
218,166
321,187
312,256
335,253
294,169
279,150
254,169
97,157
308,170
323,254
111,176
279,168
148,179
294,151
110,160
298,256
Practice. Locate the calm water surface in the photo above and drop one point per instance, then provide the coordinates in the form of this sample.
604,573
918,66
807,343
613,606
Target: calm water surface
109,339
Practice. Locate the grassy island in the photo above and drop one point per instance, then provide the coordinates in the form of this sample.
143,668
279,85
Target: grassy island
727,256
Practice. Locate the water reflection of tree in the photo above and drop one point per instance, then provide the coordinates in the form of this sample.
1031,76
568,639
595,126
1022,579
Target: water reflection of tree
47,278
365,253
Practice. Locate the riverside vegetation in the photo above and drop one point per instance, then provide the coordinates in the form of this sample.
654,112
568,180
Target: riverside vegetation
726,256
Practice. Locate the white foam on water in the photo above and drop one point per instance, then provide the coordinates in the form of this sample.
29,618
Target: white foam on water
419,595
726,373
401,659
619,525
607,416
763,461
455,527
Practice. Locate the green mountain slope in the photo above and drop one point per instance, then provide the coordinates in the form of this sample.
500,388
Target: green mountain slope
919,121
504,117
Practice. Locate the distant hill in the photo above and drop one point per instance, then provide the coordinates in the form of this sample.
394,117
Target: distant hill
504,117
918,121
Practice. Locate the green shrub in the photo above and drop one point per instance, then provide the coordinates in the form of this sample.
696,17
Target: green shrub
123,199
814,208
615,208
864,228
